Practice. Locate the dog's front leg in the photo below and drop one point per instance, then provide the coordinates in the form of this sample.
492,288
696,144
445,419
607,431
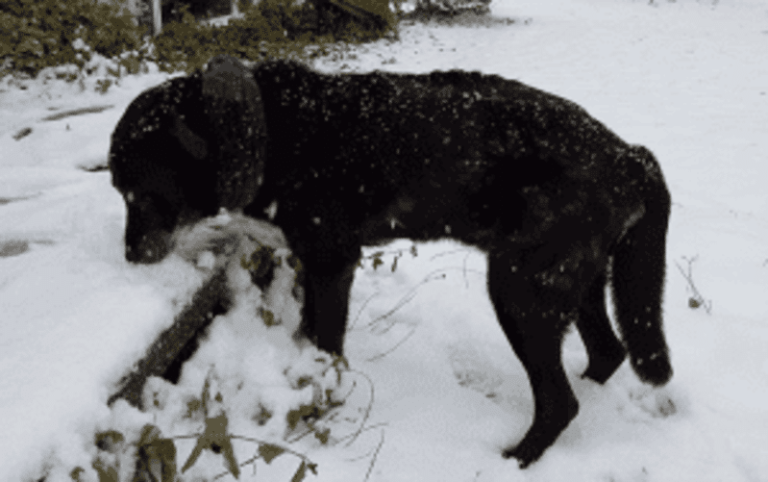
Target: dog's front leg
326,302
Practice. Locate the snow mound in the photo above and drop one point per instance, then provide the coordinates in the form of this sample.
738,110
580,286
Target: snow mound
252,379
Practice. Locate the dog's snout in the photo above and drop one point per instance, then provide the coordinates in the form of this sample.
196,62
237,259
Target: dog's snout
150,249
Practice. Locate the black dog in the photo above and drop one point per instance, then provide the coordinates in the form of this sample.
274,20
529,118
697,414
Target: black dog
555,199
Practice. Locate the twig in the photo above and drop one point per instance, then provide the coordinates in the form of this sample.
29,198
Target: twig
375,455
408,297
360,311
448,253
464,269
697,299
387,352
464,263
402,302
264,442
253,459
359,457
367,409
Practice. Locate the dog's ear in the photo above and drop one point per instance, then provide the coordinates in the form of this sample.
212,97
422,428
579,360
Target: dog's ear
232,101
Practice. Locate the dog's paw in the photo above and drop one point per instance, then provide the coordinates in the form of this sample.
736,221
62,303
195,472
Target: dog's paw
653,401
642,403
524,453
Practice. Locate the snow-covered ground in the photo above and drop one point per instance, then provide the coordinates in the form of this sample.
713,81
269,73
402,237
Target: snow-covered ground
688,79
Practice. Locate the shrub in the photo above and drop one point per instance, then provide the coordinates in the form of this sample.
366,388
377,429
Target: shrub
180,43
272,28
40,33
286,18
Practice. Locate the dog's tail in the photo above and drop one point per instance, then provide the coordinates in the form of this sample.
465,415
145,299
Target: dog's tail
638,273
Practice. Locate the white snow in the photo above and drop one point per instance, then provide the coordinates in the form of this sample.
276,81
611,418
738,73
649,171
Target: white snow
688,79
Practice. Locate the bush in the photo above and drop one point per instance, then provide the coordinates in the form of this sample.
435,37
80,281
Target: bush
44,33
183,41
272,28
286,18
41,33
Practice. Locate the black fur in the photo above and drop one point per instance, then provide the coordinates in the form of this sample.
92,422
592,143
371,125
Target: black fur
185,149
550,194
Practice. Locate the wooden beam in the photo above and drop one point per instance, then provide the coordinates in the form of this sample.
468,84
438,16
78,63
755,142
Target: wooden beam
171,343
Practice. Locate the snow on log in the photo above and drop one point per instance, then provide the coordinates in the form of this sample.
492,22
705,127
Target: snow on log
167,352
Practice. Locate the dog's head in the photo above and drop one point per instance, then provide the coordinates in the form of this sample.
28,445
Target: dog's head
185,149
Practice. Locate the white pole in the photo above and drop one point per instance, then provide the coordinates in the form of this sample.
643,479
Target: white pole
157,18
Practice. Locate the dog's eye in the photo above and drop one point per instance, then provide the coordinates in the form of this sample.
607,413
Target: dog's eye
129,197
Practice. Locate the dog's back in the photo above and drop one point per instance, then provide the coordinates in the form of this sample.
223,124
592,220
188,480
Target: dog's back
410,155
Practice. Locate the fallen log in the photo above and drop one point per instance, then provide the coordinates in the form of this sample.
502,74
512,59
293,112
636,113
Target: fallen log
176,344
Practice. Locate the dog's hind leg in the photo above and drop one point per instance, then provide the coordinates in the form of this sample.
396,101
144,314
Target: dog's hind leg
534,318
605,351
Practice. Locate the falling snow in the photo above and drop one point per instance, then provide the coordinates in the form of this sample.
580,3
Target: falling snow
678,77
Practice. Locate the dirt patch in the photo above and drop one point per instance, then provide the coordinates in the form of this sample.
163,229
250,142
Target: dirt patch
9,200
22,133
465,18
13,247
75,112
